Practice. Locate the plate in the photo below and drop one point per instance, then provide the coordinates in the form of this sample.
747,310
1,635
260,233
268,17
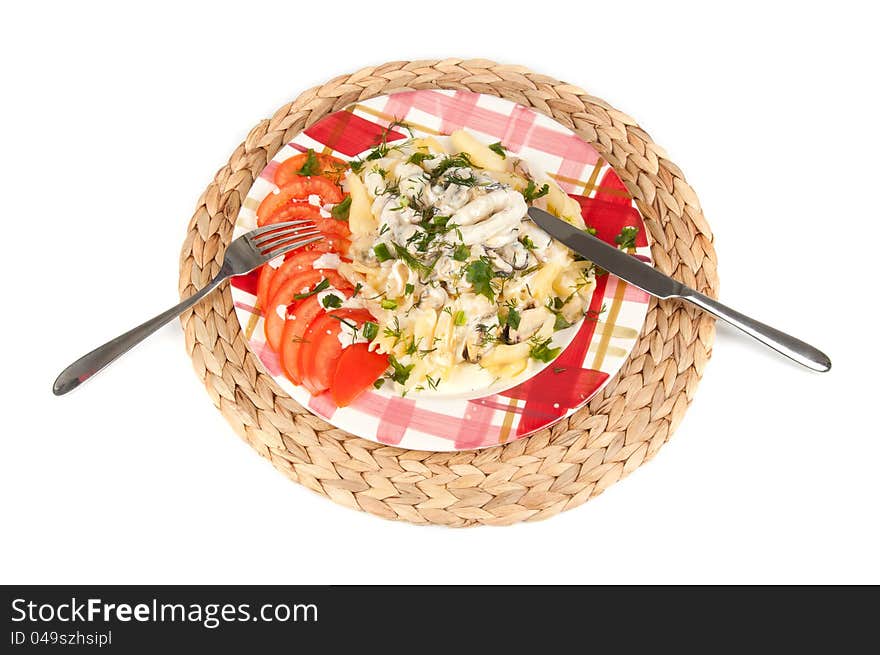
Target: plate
594,350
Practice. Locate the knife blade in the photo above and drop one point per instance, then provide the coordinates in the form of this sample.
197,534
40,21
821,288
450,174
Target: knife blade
648,279
618,262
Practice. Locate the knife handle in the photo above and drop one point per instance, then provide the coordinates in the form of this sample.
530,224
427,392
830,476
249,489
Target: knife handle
802,353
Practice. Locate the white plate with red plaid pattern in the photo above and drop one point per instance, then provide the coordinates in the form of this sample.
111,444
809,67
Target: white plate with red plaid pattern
602,342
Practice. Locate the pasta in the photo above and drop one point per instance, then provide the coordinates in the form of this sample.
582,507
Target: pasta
446,259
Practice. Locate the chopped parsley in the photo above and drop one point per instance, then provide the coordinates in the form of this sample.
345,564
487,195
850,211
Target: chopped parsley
382,252
459,318
513,317
418,157
528,244
378,383
331,300
560,323
408,289
541,350
370,330
461,253
311,166
400,373
323,284
340,211
357,165
479,274
357,289
498,149
627,237
532,193
388,304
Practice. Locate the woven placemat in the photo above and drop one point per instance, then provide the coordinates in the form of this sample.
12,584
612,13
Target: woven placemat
528,479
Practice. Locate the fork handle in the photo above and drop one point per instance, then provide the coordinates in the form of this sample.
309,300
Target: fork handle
89,364
801,352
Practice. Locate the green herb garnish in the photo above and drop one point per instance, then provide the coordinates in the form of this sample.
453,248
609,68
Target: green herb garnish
378,383
532,193
479,274
331,300
459,318
340,211
461,160
412,261
513,318
370,330
401,372
408,289
528,244
418,157
382,252
560,323
388,304
498,149
455,178
541,350
323,284
312,165
461,253
393,332
357,289
627,237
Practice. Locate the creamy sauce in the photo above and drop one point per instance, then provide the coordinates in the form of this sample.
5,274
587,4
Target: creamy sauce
468,293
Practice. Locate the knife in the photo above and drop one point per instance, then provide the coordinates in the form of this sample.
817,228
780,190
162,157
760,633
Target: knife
652,281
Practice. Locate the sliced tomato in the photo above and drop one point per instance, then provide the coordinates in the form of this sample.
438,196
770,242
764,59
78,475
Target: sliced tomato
332,226
292,211
356,371
279,304
266,275
330,167
293,335
302,260
335,243
322,349
298,189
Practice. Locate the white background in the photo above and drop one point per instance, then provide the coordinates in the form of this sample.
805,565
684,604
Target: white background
772,114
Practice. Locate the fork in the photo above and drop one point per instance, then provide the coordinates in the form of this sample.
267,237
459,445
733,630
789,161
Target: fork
243,255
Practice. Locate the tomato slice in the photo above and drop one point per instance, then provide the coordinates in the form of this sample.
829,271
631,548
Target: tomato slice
279,304
298,189
330,167
266,275
335,244
332,226
299,262
356,371
322,349
292,211
293,335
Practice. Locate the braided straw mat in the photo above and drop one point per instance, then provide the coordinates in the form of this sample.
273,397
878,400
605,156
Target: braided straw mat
525,480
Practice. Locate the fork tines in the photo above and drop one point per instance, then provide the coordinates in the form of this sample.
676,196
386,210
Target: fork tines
275,240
